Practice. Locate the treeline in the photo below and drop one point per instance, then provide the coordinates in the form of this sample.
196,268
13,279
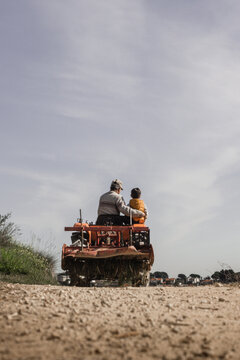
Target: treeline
21,263
164,275
224,275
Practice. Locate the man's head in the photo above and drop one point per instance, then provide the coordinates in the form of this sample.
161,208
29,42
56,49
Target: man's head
116,185
136,193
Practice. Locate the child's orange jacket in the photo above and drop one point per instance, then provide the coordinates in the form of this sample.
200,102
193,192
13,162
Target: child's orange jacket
138,204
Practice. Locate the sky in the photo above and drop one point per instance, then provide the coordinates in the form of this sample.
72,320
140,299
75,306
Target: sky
147,91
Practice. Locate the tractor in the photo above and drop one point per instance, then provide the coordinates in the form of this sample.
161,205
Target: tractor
120,253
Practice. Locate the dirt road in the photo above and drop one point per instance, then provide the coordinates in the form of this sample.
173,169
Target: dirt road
51,322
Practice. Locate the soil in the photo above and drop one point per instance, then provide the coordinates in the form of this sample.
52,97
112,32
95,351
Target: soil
54,322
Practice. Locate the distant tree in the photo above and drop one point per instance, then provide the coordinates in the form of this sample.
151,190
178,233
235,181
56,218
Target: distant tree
157,274
164,275
227,275
195,276
160,274
151,275
237,276
216,275
182,276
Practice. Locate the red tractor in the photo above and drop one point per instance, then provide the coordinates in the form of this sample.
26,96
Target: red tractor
108,252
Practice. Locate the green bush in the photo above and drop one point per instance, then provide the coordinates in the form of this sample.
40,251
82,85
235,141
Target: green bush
22,262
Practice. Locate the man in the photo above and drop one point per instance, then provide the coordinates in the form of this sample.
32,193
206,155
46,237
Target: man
111,204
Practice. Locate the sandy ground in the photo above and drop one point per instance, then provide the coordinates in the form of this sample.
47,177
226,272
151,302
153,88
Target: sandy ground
51,322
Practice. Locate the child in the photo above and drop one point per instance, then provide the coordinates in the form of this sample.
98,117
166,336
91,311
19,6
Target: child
138,204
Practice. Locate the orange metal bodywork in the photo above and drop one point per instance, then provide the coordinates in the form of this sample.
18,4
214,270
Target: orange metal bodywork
105,242
97,231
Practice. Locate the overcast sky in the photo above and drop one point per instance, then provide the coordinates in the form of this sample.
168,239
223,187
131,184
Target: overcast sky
144,91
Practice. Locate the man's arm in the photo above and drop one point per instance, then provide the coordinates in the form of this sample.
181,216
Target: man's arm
146,211
126,209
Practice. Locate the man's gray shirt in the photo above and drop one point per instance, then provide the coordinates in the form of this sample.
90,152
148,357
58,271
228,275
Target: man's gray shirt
112,203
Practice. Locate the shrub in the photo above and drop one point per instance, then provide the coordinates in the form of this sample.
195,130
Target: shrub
8,231
20,261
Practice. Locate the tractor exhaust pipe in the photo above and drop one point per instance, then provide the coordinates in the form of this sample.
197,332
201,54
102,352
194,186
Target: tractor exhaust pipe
131,228
81,221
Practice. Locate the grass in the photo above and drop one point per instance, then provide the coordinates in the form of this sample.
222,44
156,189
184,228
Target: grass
21,263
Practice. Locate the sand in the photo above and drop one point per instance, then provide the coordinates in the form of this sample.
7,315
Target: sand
54,322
